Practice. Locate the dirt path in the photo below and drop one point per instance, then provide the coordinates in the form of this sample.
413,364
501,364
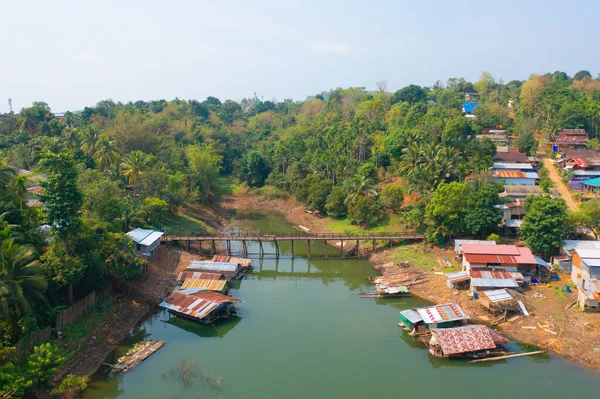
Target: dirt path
557,180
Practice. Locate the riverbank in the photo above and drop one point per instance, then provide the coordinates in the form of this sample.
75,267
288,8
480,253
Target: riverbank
553,324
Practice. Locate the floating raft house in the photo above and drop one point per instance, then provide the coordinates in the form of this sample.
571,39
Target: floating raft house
200,275
230,270
199,305
473,341
208,285
140,352
244,262
417,321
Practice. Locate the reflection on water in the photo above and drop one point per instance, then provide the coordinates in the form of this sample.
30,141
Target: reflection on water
301,332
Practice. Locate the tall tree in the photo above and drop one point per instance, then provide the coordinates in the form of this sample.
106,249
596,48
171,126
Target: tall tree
134,164
544,223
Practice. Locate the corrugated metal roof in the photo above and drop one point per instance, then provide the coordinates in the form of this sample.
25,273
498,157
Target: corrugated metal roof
512,166
570,245
591,262
459,243
510,157
210,285
493,282
497,295
442,313
542,262
588,253
457,277
226,258
200,275
514,174
144,236
197,304
411,315
214,266
496,274
531,175
516,223
464,339
490,249
485,259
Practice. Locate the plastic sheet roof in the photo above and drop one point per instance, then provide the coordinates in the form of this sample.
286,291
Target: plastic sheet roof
457,277
442,313
466,339
214,266
592,182
198,304
200,275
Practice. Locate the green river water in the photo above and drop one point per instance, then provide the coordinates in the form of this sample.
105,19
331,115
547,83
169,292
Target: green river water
301,333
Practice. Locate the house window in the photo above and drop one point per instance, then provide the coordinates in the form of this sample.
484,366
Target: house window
493,264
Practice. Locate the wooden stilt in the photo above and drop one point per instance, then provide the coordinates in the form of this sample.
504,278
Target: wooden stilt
373,245
188,245
228,248
200,246
244,249
325,242
342,248
260,249
390,243
308,246
276,249
358,249
214,247
292,253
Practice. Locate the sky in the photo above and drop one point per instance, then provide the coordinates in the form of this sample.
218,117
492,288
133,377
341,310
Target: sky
72,54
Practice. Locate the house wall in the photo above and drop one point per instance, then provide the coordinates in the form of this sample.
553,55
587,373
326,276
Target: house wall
516,181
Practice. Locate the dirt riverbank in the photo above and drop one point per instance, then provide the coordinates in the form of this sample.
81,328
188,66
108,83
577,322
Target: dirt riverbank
553,324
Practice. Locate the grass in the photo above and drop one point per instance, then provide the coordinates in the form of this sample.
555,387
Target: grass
228,185
78,331
416,255
186,222
391,224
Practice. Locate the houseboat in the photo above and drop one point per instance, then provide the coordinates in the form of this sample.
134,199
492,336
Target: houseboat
418,321
200,305
466,342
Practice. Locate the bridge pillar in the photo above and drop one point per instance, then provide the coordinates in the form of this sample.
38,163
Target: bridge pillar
342,248
276,249
373,245
390,242
244,249
260,249
214,247
358,249
308,246
292,253
325,243
228,248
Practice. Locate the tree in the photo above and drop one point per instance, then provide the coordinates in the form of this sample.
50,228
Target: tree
392,197
21,280
253,169
205,165
363,210
106,154
527,143
381,85
61,196
482,217
134,164
544,223
411,94
447,210
582,74
154,210
335,205
61,269
588,216
91,136
361,186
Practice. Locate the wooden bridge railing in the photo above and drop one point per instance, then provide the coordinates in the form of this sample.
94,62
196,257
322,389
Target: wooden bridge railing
249,236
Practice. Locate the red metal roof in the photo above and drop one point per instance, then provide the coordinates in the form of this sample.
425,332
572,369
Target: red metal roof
490,249
579,161
200,275
35,190
511,174
495,274
196,304
485,259
464,339
571,136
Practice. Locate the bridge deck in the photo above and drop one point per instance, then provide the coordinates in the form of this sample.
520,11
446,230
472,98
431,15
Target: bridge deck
298,237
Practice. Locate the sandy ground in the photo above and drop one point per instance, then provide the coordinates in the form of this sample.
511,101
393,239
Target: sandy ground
552,325
557,180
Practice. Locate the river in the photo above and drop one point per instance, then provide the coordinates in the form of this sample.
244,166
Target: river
302,333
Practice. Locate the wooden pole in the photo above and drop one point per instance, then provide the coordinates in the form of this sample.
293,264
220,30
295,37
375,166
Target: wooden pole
276,249
214,247
188,245
228,248
373,245
325,242
293,252
357,249
260,249
342,248
492,359
308,246
244,248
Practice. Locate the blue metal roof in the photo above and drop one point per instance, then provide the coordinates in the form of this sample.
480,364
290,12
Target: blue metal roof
469,107
144,236
592,182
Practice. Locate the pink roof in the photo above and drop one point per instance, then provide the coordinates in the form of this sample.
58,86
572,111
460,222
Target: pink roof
504,254
490,249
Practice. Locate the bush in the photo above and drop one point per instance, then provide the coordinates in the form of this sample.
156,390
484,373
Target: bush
392,197
154,210
43,363
335,205
71,387
270,193
363,210
368,170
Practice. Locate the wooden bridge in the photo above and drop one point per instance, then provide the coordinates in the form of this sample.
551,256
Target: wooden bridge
339,239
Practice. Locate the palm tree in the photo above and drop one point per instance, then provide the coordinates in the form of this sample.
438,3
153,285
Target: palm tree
71,138
21,280
411,160
90,139
106,153
361,185
134,164
6,175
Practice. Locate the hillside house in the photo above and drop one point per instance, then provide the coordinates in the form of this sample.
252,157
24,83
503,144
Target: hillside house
145,242
511,157
512,213
513,192
516,177
571,138
585,272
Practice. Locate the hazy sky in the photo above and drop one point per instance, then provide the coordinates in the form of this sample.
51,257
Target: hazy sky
72,53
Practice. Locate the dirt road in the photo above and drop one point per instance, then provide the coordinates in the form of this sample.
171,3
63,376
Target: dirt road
558,183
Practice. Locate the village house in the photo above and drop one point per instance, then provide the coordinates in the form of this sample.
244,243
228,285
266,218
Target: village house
581,165
512,213
510,157
458,246
571,138
582,259
516,178
33,194
145,242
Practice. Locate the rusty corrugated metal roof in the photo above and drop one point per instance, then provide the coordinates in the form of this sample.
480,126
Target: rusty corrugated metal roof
463,339
245,262
490,249
197,304
200,275
485,259
513,174
210,285
497,274
442,313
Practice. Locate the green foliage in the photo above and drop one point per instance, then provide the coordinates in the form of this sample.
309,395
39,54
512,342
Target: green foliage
205,166
482,217
392,197
270,193
336,203
154,211
527,143
253,169
588,216
491,121
71,386
363,210
544,223
447,209
60,268
411,94
43,363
